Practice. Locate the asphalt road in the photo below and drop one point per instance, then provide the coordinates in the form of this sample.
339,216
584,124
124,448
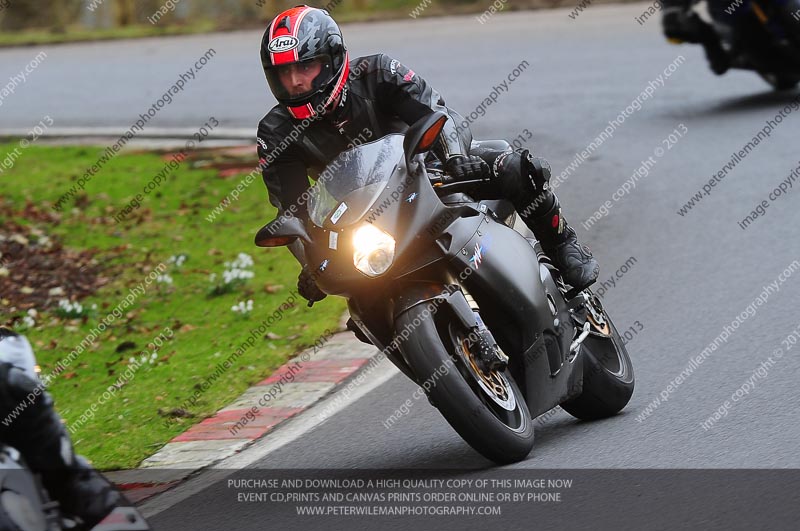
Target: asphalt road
693,274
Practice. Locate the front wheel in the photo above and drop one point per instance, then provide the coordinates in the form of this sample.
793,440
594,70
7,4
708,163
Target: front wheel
487,410
608,379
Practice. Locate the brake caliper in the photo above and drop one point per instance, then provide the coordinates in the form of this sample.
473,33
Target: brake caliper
482,345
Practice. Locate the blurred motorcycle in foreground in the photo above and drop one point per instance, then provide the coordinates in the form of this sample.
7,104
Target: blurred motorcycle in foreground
26,506
37,461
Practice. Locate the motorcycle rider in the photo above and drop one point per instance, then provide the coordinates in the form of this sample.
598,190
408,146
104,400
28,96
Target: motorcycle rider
29,423
682,24
326,101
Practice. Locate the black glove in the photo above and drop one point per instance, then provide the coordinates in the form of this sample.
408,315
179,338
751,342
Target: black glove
307,287
467,168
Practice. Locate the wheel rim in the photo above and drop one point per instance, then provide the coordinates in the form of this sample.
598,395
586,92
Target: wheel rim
494,389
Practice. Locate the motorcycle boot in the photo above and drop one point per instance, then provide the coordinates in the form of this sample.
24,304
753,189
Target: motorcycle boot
525,181
37,432
559,241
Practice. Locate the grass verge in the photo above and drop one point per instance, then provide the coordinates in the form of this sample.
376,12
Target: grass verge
118,429
79,34
343,13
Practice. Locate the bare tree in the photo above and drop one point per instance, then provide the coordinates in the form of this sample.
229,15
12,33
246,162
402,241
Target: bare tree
124,12
54,15
146,8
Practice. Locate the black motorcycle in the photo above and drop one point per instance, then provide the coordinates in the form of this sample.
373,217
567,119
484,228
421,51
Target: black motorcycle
761,35
26,506
464,305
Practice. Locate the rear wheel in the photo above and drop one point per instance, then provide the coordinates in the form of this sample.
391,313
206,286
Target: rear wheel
786,12
608,379
780,81
487,410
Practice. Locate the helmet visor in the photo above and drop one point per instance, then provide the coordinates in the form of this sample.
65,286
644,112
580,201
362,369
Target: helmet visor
296,82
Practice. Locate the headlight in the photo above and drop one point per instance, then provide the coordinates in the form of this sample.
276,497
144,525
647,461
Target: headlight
374,250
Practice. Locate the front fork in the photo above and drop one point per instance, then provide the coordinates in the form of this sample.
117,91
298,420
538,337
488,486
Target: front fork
482,343
435,296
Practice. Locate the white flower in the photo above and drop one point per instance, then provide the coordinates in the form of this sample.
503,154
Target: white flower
243,261
164,279
243,307
28,321
236,271
235,274
70,308
177,260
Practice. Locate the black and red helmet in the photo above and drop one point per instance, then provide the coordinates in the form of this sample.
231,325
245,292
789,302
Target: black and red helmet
297,37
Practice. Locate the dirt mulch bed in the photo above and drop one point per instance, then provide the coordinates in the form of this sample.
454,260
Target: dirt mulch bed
36,271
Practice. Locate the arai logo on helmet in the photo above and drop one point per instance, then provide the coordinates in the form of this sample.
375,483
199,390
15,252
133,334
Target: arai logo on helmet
283,44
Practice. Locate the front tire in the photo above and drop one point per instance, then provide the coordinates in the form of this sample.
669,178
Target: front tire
489,413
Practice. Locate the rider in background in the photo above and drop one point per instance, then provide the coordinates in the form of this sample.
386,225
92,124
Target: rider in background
326,102
29,423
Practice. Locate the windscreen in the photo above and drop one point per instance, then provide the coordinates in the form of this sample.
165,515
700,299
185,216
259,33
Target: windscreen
364,169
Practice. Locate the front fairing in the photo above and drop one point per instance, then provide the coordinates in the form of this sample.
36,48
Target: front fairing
378,191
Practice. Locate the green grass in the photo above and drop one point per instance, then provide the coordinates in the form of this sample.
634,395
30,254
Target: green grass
79,34
128,428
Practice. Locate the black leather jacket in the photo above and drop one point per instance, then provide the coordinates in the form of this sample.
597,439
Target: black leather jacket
382,96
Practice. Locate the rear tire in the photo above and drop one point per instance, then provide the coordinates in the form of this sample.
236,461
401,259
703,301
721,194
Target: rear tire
780,82
499,427
608,379
791,25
